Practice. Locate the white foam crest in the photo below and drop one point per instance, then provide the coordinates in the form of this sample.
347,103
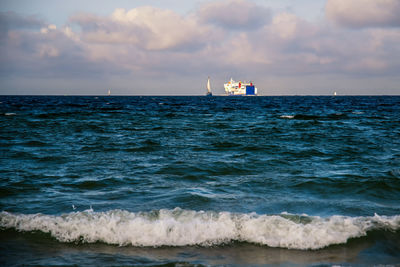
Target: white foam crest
287,116
10,114
185,227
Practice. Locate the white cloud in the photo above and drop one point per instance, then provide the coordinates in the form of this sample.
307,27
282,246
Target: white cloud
50,27
44,30
285,25
145,27
70,34
364,13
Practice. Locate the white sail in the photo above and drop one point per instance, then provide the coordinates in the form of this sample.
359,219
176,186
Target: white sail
208,87
109,92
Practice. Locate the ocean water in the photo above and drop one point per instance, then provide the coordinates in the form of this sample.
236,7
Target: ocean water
192,181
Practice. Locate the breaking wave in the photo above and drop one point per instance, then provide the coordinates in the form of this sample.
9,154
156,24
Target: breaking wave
180,227
287,116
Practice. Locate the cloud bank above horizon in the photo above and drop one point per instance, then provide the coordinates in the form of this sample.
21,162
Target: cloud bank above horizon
352,49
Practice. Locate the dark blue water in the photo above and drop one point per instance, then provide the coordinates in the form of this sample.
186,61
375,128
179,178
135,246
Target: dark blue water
199,180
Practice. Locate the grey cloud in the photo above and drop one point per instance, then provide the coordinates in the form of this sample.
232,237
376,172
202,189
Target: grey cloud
48,55
316,49
90,22
235,14
12,20
364,13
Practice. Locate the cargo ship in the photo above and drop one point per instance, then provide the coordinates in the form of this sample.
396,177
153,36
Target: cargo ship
240,88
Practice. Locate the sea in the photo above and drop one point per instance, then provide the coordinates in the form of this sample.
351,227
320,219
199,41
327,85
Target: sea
200,181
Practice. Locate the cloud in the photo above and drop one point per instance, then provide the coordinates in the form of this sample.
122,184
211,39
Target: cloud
149,28
149,48
364,13
285,25
49,28
235,14
45,52
12,20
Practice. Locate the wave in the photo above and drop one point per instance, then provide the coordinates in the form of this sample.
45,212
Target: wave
333,116
287,116
180,227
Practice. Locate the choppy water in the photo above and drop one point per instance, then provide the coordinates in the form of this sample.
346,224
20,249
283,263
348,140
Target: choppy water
197,180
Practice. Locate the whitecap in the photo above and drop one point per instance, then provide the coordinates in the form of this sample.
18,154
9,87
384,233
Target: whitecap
180,227
287,116
10,114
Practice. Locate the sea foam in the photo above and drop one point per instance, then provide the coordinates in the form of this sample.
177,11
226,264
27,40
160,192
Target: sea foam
180,227
287,116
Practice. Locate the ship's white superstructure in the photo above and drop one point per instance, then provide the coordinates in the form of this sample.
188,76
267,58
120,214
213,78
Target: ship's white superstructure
240,88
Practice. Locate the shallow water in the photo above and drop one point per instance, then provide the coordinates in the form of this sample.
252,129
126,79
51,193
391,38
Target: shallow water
197,180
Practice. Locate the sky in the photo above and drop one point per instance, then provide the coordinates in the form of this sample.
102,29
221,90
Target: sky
170,47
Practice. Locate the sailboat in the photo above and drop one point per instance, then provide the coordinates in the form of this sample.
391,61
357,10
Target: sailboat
209,93
109,92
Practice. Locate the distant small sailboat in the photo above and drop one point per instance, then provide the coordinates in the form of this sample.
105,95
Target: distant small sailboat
209,93
335,94
109,92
